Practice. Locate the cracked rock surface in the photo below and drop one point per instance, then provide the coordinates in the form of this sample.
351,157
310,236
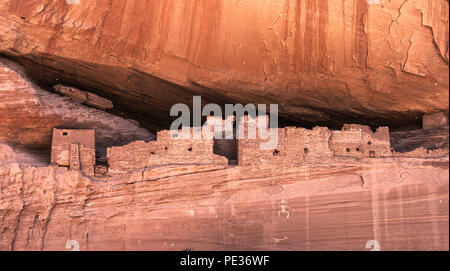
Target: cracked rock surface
324,62
321,61
29,113
402,203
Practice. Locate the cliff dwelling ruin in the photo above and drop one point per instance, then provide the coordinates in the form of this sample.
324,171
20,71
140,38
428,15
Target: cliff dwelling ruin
98,165
348,148
75,148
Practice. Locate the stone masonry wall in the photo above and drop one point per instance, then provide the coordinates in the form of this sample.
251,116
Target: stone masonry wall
359,141
62,138
166,150
74,149
296,145
87,160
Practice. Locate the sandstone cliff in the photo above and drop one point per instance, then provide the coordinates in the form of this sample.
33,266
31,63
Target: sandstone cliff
29,113
321,61
400,203
324,62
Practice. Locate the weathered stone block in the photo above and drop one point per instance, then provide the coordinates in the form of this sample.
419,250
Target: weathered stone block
84,97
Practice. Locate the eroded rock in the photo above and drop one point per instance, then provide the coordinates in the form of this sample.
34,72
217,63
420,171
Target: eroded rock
281,207
323,62
433,121
84,97
30,113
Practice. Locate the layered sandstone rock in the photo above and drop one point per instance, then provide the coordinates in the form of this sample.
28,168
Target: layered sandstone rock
322,61
433,139
84,97
29,114
433,121
401,203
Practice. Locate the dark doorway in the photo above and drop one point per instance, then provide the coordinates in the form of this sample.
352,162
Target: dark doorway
227,148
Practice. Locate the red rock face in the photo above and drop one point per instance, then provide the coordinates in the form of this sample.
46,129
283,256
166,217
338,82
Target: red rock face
321,61
29,114
401,204
324,62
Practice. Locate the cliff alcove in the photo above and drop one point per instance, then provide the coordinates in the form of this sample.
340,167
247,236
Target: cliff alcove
86,89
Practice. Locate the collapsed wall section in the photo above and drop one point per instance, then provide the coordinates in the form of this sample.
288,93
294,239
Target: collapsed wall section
359,141
311,144
171,147
297,145
293,145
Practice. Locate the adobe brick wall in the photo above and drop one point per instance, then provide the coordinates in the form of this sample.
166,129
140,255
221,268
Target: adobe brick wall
312,144
62,138
250,153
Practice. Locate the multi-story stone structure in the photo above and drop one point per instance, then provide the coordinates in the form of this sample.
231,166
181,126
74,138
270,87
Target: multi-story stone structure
75,149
